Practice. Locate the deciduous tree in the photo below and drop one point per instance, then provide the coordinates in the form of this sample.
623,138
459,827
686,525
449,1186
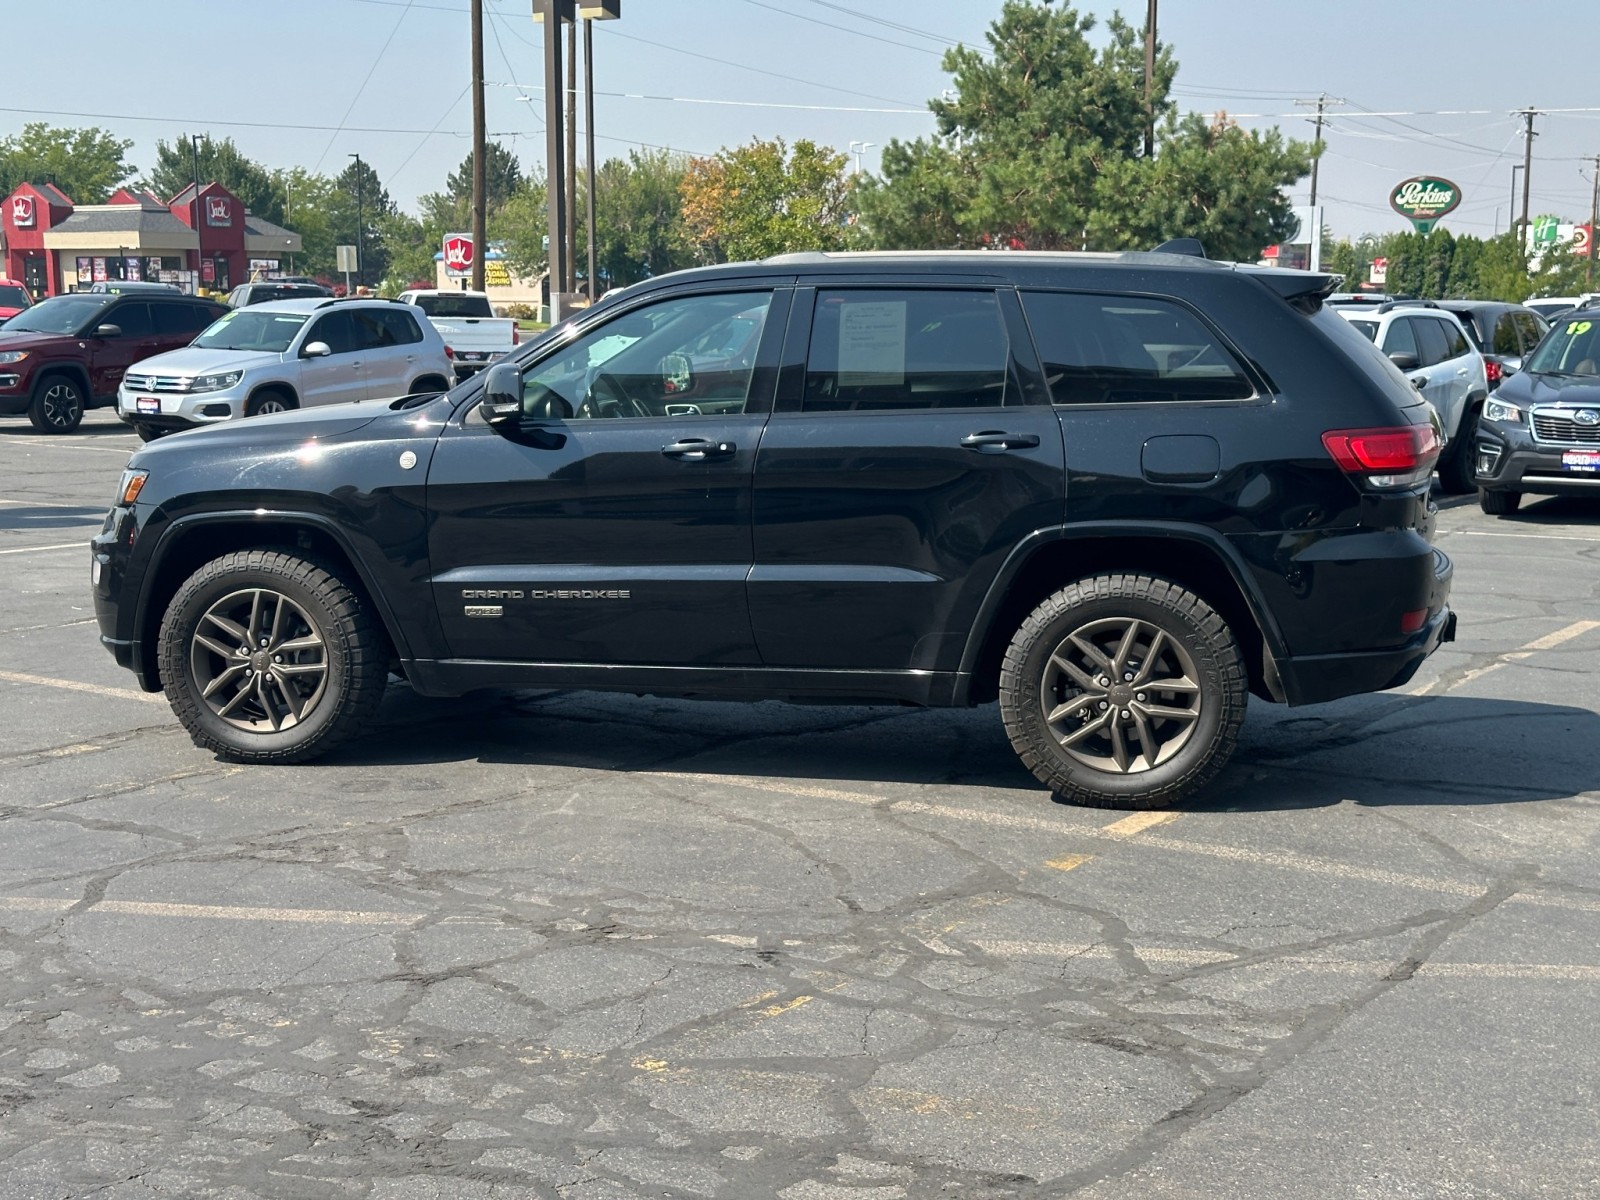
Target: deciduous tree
180,162
761,199
87,164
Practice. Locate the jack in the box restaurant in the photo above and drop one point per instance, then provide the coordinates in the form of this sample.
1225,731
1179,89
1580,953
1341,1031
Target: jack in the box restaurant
203,238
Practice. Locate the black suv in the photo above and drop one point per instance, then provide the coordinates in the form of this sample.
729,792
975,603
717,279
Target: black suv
1116,493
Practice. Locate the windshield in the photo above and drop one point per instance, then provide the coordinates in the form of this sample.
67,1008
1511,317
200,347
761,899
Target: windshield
59,314
1572,347
252,329
455,306
12,296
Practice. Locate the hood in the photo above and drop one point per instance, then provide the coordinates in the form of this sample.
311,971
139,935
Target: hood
1575,391
192,360
264,434
21,340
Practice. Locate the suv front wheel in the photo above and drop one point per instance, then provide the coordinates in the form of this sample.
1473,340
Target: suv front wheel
268,658
1123,691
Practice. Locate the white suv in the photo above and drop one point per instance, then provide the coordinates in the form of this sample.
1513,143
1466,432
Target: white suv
1430,346
282,355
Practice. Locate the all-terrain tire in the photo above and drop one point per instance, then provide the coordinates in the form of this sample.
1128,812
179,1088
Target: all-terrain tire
57,405
1174,739
313,643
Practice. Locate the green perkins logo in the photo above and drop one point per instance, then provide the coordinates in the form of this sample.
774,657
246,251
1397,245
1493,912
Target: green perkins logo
1425,199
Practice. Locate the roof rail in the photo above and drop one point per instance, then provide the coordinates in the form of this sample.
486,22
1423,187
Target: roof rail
1412,303
1187,246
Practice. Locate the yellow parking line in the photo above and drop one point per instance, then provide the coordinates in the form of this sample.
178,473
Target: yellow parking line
1137,823
1548,642
72,685
1068,862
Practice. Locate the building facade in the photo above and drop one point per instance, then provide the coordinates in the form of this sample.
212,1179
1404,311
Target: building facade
202,239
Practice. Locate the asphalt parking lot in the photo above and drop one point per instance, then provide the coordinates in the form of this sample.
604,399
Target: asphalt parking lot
582,946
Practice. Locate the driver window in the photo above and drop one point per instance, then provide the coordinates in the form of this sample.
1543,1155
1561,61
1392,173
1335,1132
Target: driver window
687,357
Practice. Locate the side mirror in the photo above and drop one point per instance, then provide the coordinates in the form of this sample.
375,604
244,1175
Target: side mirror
1405,360
108,331
677,375
316,350
502,394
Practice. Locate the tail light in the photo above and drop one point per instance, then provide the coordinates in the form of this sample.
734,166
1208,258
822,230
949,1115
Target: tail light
1398,456
449,353
1491,368
516,334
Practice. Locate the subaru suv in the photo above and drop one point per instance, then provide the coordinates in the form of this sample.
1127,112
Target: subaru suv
281,355
1116,493
1540,431
1431,346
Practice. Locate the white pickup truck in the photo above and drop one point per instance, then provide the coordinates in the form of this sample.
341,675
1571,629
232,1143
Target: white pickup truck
473,336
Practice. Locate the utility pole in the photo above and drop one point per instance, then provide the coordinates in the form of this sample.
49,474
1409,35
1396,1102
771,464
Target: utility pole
550,12
1322,102
572,155
1594,219
588,140
361,258
1528,114
1150,80
480,245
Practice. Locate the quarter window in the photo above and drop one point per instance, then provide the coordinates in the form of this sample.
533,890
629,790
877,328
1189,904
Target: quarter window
1129,350
890,349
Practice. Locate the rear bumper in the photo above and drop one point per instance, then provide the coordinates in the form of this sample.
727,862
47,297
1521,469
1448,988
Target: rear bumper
1314,679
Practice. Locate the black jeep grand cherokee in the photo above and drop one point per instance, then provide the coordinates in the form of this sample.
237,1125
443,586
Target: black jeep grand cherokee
1114,492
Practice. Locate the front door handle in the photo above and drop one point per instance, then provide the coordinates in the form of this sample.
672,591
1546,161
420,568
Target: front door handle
992,441
698,450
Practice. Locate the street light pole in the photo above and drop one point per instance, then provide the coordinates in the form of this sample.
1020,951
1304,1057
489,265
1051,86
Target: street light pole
858,149
588,143
361,259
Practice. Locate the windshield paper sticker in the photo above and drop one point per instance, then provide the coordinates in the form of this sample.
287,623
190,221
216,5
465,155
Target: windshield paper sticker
872,344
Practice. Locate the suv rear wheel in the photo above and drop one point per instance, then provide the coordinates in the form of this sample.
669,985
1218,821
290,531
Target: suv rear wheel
57,405
267,657
1123,691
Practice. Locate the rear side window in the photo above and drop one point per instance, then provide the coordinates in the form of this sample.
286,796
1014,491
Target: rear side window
906,349
1506,339
175,319
1129,350
1532,329
132,319
1454,339
399,327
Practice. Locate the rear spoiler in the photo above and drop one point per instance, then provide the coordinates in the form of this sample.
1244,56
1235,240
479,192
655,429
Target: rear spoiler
1304,290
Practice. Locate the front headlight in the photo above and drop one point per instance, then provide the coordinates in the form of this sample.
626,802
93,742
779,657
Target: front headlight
12,356
1499,410
215,383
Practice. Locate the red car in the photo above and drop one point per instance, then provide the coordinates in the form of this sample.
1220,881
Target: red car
13,298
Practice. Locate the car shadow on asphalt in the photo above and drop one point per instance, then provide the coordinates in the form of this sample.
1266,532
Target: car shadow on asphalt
1388,750
1371,750
1554,510
91,429
23,517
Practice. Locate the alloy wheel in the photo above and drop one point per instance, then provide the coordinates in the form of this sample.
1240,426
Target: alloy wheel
258,660
62,406
1121,695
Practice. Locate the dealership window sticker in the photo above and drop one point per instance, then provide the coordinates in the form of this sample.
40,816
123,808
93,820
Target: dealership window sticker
872,344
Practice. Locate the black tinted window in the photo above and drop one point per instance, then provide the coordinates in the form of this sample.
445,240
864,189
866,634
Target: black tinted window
1532,329
447,305
174,319
1431,338
1123,349
1401,340
889,349
1506,340
132,319
1454,339
339,331
399,328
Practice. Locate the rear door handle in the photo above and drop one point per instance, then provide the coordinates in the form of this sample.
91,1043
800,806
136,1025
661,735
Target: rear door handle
992,441
1419,382
698,450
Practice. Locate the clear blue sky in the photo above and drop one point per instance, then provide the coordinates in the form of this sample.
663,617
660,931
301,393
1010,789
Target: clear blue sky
253,69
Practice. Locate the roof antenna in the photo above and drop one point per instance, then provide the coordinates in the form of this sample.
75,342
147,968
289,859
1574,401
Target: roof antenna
1189,247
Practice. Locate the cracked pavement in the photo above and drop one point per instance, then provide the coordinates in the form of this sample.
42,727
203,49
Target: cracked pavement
584,946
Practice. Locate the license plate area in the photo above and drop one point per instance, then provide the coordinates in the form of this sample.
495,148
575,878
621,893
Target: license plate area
1586,461
147,404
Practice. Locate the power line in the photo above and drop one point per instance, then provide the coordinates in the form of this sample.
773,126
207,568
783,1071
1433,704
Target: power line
368,79
183,122
911,29
917,112
842,29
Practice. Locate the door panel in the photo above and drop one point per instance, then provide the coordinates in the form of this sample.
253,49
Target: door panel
885,507
110,358
612,524
340,377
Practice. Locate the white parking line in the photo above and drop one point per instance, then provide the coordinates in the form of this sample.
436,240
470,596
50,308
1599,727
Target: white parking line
73,685
1546,537
215,912
40,503
43,444
83,545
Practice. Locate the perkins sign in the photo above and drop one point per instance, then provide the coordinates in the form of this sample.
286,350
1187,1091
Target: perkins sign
1423,200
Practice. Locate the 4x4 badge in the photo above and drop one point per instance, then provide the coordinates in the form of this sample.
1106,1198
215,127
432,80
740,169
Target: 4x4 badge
1586,416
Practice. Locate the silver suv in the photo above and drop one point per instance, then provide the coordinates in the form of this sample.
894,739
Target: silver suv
1432,349
282,355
